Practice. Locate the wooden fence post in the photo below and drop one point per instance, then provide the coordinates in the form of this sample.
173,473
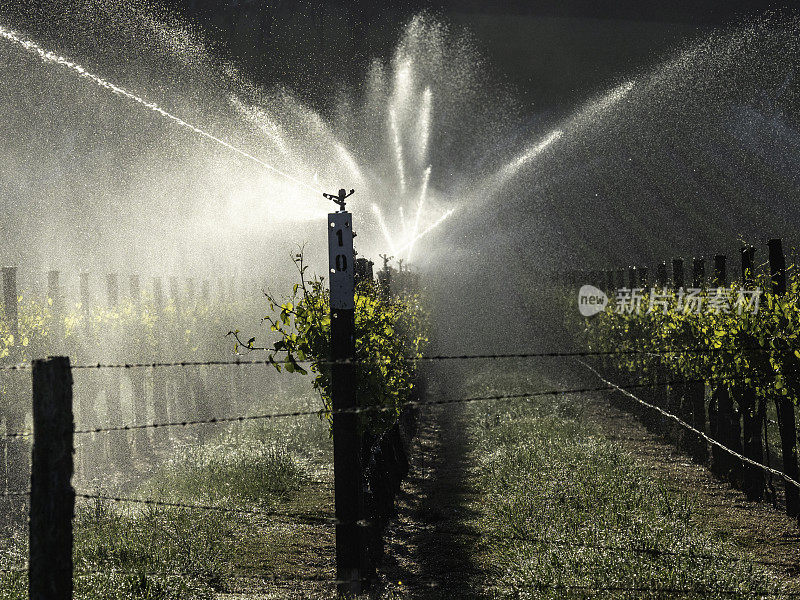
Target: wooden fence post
138,378
677,388
112,290
15,404
118,445
661,275
136,290
10,302
783,404
175,292
695,397
722,419
746,399
89,382
677,273
643,280
52,497
350,551
56,302
160,414
609,281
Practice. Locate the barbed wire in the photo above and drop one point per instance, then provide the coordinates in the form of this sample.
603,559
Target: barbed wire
26,366
697,432
22,366
265,577
431,358
620,549
366,409
13,494
224,509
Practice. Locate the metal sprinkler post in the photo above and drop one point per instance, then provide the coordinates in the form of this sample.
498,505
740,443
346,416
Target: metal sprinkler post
351,566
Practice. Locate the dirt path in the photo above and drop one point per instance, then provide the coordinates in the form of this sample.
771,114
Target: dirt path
423,557
288,559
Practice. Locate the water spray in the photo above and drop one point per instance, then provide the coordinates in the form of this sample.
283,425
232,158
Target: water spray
427,230
422,195
398,149
384,228
350,162
50,57
424,126
531,153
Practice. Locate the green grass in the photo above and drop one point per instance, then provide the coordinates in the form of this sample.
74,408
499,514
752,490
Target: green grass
546,474
253,473
143,552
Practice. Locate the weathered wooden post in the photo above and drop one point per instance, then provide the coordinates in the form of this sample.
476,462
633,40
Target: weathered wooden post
722,419
112,290
609,281
661,392
14,408
136,290
52,505
160,413
10,301
118,444
695,392
56,302
175,291
350,551
661,275
643,280
84,292
137,377
89,385
677,388
752,420
783,403
677,273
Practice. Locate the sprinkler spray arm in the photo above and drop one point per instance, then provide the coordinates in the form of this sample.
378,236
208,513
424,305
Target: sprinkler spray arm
340,198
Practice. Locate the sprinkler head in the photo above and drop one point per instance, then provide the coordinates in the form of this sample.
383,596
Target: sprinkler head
340,198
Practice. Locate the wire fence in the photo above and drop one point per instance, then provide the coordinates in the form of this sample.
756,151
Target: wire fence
608,386
205,507
25,366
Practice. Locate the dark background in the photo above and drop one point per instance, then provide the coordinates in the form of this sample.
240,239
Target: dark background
551,51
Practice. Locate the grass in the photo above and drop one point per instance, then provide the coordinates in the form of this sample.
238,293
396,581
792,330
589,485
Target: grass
552,487
143,552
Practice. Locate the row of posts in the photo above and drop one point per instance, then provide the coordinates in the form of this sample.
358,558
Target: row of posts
687,398
15,407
